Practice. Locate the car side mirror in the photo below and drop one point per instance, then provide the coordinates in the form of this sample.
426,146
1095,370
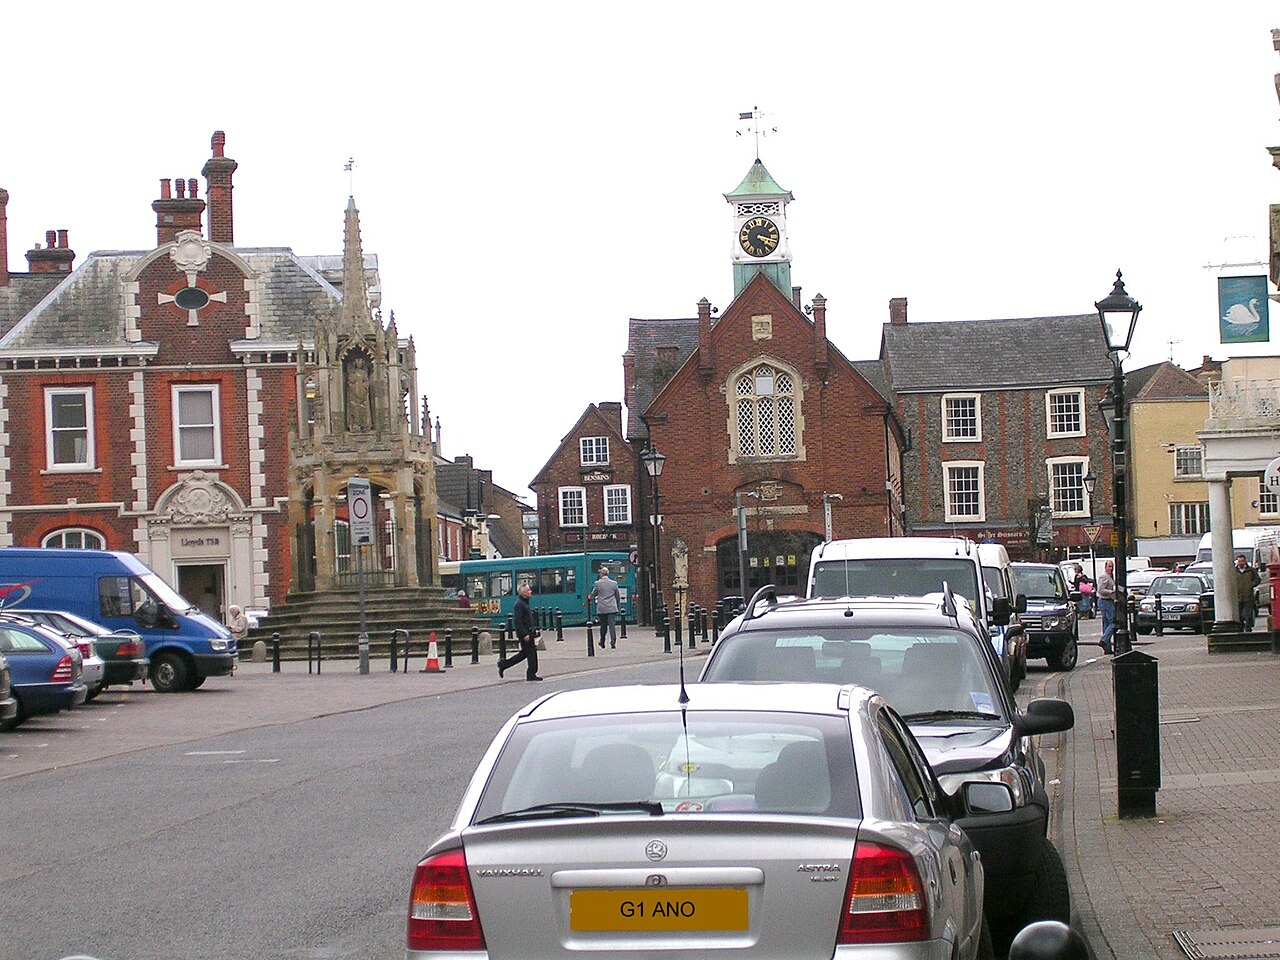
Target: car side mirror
1047,715
981,797
1001,611
1020,603
1075,596
1016,630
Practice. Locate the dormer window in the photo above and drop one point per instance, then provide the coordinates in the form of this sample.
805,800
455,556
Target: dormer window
594,450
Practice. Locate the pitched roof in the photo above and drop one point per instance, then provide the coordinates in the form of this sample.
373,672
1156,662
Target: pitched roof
609,411
657,349
1164,381
758,183
22,293
994,354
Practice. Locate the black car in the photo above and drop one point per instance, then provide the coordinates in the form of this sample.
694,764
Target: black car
933,661
1052,617
1176,601
122,651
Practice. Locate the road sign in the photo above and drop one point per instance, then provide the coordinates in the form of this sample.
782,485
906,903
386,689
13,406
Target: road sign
1092,533
1271,476
360,511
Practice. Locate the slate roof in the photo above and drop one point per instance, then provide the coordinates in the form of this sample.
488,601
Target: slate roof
650,371
1164,381
87,306
23,292
873,372
1029,352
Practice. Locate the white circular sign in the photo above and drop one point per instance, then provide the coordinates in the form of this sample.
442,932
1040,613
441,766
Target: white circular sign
1271,476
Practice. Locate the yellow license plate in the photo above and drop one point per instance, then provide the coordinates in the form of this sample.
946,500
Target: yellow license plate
658,908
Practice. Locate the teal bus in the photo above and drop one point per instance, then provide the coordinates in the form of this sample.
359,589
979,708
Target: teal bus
560,581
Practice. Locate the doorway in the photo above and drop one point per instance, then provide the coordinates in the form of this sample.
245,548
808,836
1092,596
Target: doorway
203,584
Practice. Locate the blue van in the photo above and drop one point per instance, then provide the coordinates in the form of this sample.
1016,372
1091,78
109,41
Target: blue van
118,591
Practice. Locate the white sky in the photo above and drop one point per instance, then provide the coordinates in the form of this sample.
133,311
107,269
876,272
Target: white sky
532,175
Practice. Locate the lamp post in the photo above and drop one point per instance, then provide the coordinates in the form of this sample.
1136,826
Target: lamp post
742,539
1118,314
1090,484
826,513
653,464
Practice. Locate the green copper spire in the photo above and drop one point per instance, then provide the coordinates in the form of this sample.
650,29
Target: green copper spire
758,183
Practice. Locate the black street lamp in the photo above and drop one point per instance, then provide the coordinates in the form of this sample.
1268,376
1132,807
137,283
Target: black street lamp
1091,484
653,464
1118,314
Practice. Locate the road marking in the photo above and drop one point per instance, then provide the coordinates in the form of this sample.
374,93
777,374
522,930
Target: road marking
211,753
252,760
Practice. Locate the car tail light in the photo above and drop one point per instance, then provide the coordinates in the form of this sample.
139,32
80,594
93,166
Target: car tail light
64,672
442,907
86,648
886,901
130,649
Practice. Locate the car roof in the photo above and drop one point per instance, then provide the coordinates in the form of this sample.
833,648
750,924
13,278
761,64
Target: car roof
888,548
819,698
1026,565
923,611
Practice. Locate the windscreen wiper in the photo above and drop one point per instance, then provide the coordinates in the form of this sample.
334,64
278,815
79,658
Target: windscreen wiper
931,715
574,808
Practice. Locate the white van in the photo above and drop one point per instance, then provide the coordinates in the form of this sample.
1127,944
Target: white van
1260,546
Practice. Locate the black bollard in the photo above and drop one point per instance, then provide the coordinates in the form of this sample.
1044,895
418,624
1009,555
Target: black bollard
559,626
395,635
319,650
623,616
511,626
475,644
702,622
405,660
275,652
666,635
679,625
311,637
715,622
693,627
591,640
448,647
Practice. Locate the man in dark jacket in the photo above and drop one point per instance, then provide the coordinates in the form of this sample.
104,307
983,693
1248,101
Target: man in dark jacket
526,633
1247,580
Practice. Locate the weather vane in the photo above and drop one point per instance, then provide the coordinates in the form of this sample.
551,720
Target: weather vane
755,116
350,167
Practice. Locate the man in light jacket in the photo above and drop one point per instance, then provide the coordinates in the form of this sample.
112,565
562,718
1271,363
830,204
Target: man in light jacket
607,597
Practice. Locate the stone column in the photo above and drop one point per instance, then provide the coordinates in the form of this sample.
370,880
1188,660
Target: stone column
240,588
326,560
1226,610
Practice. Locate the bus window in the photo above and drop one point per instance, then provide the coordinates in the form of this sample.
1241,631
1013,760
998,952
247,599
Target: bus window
616,568
477,585
559,580
529,577
500,583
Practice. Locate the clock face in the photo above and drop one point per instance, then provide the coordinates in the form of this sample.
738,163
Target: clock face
759,237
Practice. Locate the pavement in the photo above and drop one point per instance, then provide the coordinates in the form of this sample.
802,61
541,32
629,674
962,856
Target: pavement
1205,867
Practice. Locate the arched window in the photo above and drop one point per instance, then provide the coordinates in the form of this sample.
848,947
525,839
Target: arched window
765,416
75,538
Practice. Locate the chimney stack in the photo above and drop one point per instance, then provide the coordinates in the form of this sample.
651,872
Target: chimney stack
820,330
217,176
177,213
704,335
56,257
898,312
4,237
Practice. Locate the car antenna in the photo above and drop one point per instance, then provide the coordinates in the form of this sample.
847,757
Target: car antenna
948,600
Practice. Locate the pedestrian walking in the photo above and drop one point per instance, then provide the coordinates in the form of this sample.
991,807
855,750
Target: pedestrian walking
607,597
238,624
1105,591
527,634
1247,580
1084,586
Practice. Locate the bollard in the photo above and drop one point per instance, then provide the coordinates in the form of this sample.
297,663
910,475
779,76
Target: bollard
1159,628
475,644
315,634
591,641
395,635
502,634
679,625
502,644
715,623
623,617
275,652
559,626
1136,685
511,626
448,647
693,628
363,649
702,623
666,635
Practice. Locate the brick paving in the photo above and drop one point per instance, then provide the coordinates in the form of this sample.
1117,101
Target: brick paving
1207,860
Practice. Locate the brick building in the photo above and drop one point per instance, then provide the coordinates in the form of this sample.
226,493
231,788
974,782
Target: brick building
586,490
147,397
1001,429
757,407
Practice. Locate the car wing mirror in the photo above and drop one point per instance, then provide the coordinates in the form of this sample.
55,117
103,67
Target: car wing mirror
1001,611
1047,715
983,797
1020,603
1015,630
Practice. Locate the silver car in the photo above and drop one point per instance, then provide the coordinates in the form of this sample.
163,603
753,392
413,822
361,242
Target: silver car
796,820
94,671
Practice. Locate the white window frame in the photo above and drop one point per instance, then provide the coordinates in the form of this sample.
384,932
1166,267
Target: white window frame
762,388
85,534
73,466
213,389
1186,448
977,415
1083,463
581,493
1268,502
1199,509
589,453
1049,432
951,516
626,505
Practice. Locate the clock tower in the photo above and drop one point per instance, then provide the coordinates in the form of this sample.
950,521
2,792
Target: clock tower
760,230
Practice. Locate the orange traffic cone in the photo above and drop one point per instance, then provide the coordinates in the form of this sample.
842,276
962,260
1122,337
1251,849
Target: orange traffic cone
433,658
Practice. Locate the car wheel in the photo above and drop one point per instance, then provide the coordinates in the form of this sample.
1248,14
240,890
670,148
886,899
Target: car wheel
1066,658
94,691
986,946
195,683
168,673
1050,897
7,725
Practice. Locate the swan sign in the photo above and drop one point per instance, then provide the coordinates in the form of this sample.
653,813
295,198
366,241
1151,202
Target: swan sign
1242,310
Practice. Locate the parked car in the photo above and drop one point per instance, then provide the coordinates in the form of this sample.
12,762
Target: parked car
1052,617
662,822
933,661
8,705
1176,601
1138,582
93,668
46,675
122,651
